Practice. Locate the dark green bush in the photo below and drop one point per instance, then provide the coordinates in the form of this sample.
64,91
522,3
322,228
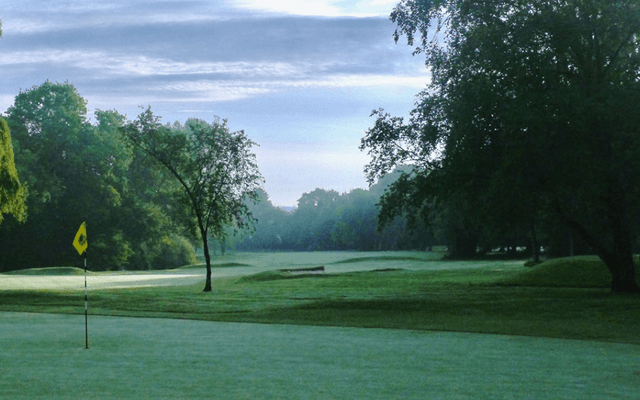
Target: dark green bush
175,251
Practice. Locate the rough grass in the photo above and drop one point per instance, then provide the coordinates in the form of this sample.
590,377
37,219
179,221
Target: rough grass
502,298
575,272
311,258
53,271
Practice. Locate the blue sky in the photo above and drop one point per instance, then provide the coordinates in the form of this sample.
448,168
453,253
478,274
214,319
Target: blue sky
301,77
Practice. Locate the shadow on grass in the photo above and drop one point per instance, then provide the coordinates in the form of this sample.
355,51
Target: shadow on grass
584,314
38,301
381,258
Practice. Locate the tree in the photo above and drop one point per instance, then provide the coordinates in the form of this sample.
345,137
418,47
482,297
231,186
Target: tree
271,229
213,165
532,109
12,193
314,218
74,172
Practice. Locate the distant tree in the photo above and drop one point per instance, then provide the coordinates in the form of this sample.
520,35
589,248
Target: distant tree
355,221
314,218
12,193
213,165
532,106
271,230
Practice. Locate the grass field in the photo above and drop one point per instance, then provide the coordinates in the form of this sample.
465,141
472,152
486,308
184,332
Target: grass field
561,298
307,343
43,357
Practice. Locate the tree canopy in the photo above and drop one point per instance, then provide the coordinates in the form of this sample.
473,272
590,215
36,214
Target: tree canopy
76,171
140,215
531,116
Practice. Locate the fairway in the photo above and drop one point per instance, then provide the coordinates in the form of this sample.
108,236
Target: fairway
44,357
301,336
244,264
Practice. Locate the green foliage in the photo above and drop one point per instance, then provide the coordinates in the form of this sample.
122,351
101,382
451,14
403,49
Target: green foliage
213,165
75,172
12,193
110,251
175,251
215,169
531,116
327,220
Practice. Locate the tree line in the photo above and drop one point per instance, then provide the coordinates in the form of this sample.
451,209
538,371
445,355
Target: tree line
73,171
137,183
327,220
138,213
126,179
529,127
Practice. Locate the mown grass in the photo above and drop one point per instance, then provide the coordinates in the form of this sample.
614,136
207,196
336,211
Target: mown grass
379,258
561,298
579,271
54,271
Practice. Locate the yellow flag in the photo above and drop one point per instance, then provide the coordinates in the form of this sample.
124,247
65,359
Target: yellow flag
80,242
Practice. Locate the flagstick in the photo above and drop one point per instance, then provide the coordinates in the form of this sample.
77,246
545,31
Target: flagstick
86,307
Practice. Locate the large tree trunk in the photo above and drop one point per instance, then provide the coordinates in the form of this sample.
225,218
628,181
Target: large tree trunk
617,254
463,246
623,273
620,261
620,264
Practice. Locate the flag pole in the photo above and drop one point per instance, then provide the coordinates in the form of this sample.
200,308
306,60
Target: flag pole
86,305
80,243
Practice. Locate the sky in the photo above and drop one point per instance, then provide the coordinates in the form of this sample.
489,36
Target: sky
300,77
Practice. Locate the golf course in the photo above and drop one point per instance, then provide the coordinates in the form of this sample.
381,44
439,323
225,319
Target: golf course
368,325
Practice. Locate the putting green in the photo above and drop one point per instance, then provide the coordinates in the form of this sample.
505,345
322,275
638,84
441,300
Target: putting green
43,356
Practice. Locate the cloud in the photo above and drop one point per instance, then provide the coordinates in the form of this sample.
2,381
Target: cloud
36,16
306,72
208,80
325,8
138,65
297,7
132,64
364,42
